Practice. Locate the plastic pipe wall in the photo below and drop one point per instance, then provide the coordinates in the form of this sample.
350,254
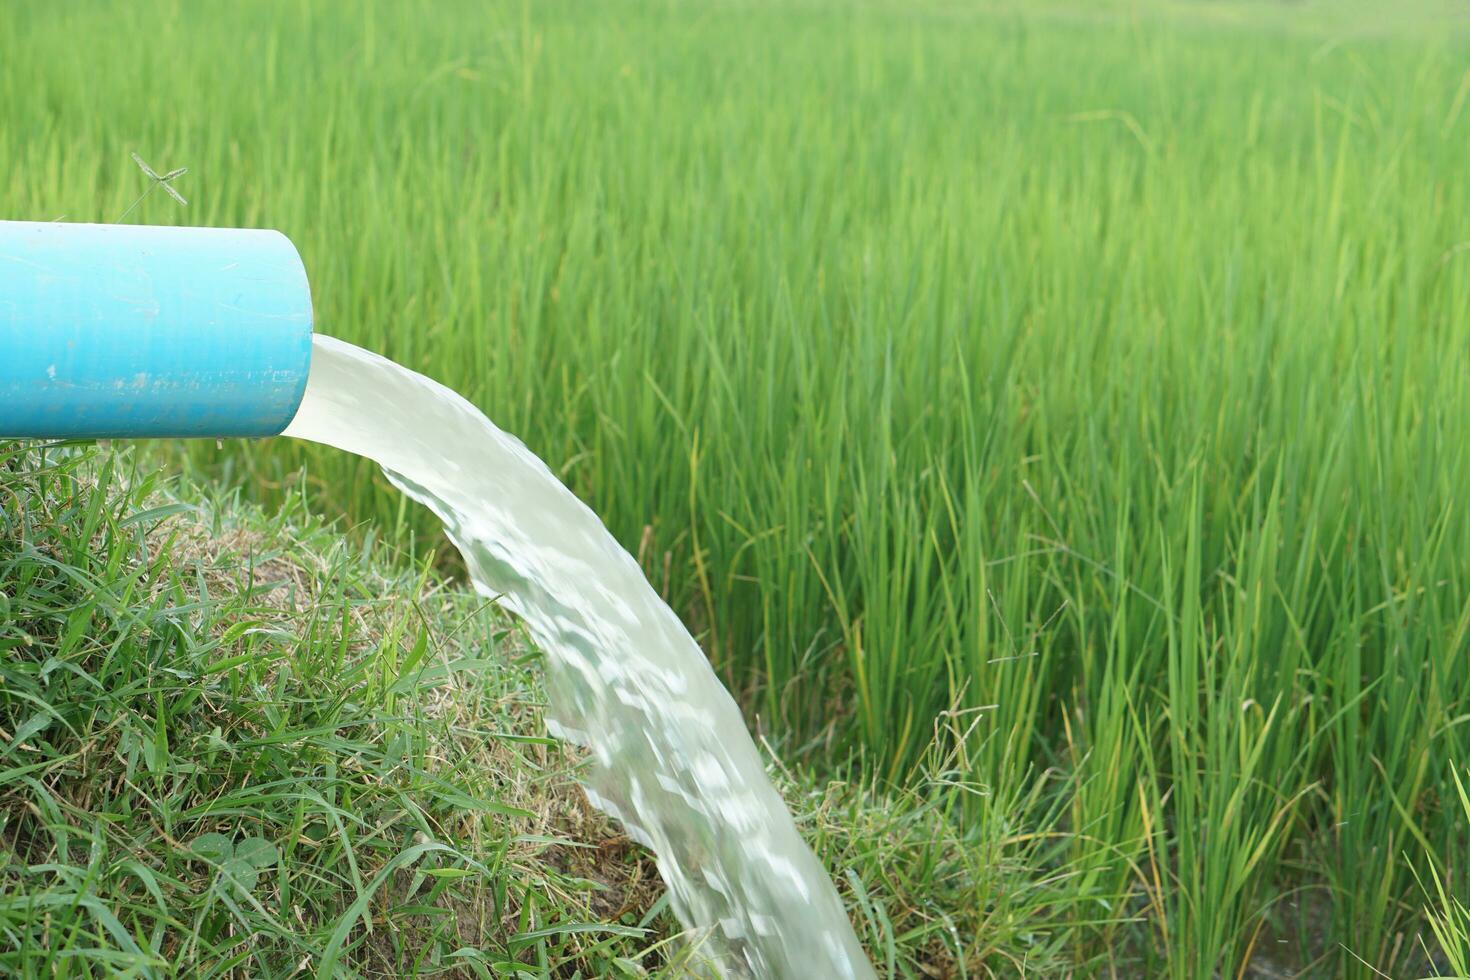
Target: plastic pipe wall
133,331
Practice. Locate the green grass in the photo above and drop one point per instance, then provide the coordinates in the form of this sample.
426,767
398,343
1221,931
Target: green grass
1105,365
1449,918
230,744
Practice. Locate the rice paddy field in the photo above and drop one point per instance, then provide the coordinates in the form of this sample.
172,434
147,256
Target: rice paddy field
1056,413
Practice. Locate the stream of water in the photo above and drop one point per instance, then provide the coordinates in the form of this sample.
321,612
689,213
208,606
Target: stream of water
671,758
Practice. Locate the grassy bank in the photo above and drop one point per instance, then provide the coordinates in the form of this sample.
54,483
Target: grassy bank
1101,369
232,745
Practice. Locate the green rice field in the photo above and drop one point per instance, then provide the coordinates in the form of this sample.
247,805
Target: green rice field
1055,413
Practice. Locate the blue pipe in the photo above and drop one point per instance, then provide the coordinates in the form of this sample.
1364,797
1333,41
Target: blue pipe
132,331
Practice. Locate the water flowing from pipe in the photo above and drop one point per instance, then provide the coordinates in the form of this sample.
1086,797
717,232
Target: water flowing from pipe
671,758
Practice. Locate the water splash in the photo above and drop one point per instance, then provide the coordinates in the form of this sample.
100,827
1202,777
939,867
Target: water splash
672,759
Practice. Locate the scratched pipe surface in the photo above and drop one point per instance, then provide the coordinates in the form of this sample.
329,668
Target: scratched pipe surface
132,331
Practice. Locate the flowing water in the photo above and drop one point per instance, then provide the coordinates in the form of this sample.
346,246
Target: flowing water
671,757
